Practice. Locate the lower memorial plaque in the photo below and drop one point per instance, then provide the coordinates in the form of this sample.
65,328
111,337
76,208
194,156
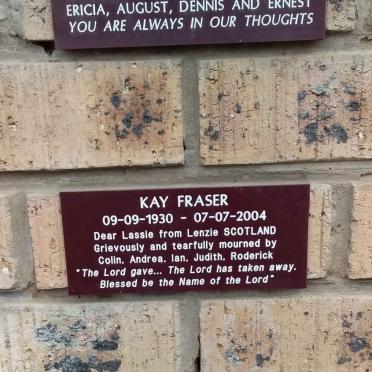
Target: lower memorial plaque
172,240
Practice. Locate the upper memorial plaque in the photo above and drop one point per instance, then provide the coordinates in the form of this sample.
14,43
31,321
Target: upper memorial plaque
80,24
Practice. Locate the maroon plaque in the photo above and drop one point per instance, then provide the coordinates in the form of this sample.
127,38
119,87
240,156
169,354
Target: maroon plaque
136,23
172,240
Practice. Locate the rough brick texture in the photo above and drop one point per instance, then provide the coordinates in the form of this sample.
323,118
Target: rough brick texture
32,19
47,241
3,10
84,115
285,110
74,119
332,334
15,256
341,15
319,230
360,260
93,337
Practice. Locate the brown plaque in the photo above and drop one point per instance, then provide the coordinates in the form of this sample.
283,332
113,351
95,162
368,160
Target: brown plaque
136,23
172,240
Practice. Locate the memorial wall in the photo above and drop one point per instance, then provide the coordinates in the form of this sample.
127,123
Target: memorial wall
185,185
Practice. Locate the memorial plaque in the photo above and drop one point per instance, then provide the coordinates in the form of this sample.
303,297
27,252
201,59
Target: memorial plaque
136,23
172,240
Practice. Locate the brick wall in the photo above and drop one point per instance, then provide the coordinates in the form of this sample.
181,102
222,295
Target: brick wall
234,115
